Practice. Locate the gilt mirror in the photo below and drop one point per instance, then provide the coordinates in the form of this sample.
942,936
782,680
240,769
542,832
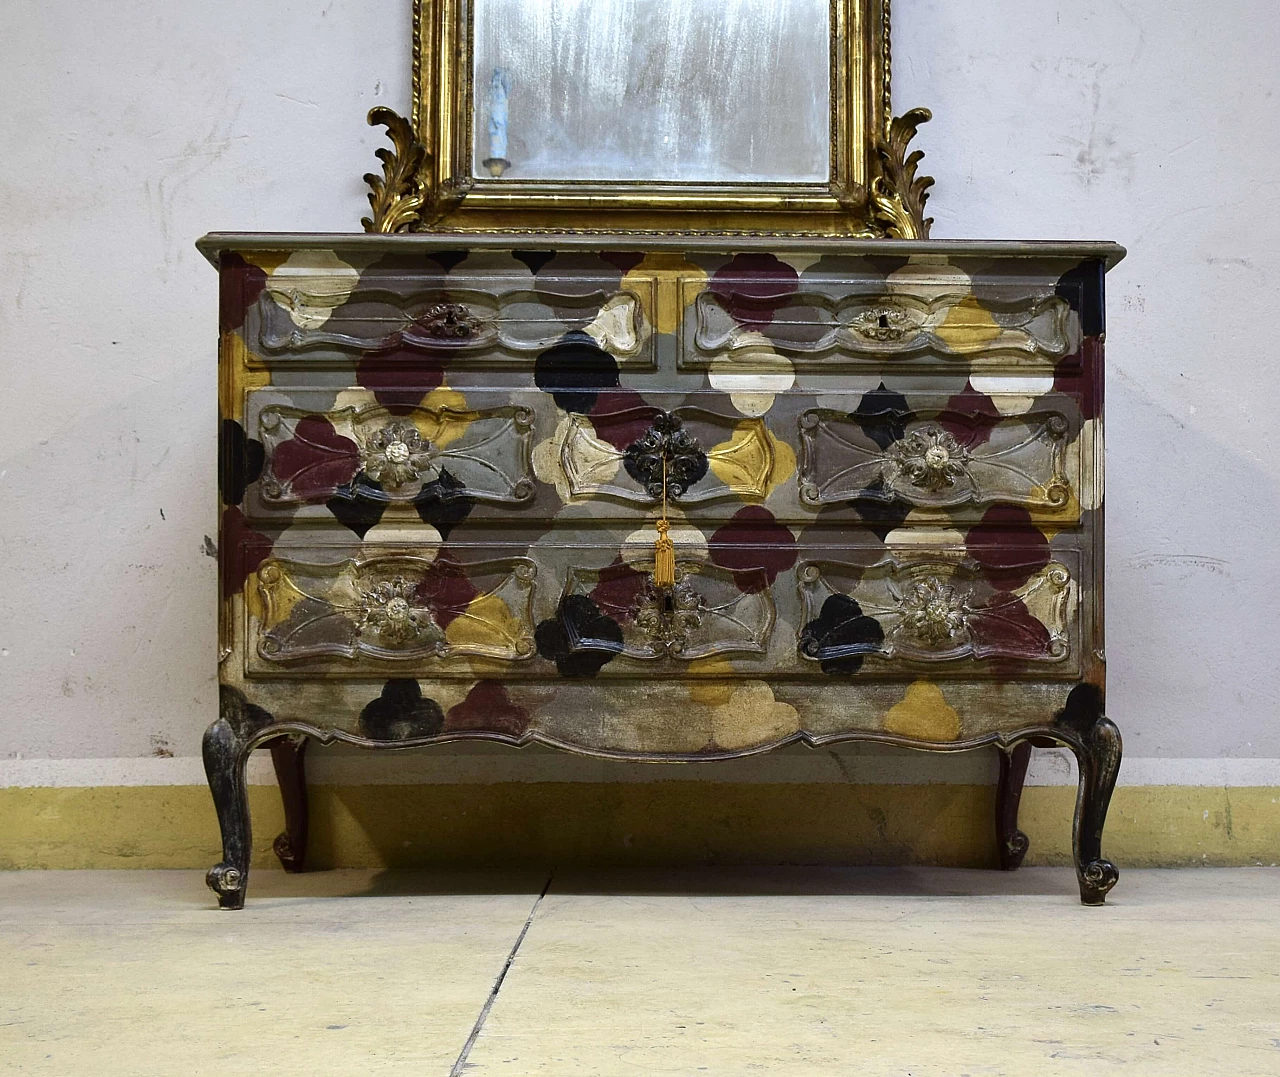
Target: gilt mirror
651,116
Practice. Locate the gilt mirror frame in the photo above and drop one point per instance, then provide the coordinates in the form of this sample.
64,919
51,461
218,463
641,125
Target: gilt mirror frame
428,181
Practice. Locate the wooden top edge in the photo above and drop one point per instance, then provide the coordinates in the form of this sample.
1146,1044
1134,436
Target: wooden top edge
214,243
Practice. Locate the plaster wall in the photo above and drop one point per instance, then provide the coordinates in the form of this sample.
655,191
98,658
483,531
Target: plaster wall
131,128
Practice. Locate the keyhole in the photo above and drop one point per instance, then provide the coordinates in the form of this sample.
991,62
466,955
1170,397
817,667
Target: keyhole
884,321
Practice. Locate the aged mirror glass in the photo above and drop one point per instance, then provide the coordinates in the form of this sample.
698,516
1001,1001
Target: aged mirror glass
651,116
703,91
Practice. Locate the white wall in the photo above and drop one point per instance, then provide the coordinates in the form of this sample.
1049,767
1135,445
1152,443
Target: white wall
129,129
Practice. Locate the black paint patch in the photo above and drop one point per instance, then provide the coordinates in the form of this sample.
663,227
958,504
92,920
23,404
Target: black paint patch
841,636
1084,708
401,713
448,259
880,509
883,416
240,460
574,371
440,505
1084,289
535,260
579,639
358,505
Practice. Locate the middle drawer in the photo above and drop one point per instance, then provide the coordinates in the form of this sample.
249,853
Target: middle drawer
515,457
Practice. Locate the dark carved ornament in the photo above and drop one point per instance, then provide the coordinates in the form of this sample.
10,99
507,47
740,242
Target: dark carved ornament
448,321
666,454
668,616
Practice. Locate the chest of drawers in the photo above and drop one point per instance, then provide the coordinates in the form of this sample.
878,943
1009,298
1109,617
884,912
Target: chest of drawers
444,468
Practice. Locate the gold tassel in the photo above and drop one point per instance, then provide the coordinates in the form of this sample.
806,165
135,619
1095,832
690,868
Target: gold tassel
664,550
664,558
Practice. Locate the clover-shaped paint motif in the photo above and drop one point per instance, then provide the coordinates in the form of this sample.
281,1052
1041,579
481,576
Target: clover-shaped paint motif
932,611
930,458
396,455
392,612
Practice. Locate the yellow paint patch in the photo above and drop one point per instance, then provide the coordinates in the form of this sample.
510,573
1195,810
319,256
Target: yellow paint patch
488,625
267,261
668,270
271,603
711,693
242,371
443,429
745,463
968,326
753,716
923,714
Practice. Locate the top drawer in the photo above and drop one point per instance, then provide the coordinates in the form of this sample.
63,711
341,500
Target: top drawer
500,320
832,323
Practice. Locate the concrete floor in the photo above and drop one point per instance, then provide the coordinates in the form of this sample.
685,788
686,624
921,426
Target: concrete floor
720,972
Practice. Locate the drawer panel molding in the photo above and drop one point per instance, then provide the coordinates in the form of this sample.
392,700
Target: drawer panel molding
932,609
398,608
939,463
369,452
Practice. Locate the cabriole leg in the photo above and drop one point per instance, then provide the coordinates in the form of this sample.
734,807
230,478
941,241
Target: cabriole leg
225,755
1011,842
1098,758
288,755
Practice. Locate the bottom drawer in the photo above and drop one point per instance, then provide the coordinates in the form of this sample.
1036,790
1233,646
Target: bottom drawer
553,611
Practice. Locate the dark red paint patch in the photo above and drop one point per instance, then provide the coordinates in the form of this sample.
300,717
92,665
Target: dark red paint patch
754,547
316,460
239,285
399,377
621,417
969,417
488,709
447,589
1008,547
751,287
1005,628
240,550
619,589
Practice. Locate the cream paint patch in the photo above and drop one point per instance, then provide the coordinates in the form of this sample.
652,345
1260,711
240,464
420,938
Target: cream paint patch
548,456
1091,464
913,537
928,278
392,536
617,328
1014,394
752,374
355,397
310,285
1050,599
753,716
923,713
690,543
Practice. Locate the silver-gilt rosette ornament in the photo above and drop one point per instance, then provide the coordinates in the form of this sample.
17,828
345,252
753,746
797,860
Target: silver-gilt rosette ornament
391,613
396,455
932,611
929,458
668,616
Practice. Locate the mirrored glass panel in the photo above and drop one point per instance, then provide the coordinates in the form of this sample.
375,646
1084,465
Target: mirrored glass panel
730,91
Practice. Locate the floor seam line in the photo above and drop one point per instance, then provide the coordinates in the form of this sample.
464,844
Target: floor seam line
460,1066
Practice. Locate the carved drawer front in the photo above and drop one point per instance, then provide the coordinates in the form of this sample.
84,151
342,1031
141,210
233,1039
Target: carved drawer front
951,461
617,612
629,456
390,610
832,324
462,320
370,453
942,609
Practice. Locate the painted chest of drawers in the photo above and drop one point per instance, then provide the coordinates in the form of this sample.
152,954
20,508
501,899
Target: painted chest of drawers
443,470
